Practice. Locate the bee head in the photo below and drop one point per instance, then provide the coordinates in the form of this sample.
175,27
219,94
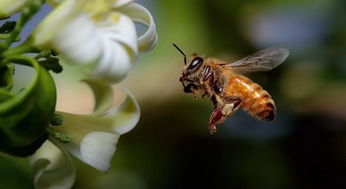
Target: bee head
192,69
195,62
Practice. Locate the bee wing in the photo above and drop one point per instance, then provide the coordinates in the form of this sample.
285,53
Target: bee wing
263,60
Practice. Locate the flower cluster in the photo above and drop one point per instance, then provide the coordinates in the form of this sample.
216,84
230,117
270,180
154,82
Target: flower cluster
98,36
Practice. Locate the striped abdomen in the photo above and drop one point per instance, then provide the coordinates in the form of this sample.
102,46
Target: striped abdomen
255,100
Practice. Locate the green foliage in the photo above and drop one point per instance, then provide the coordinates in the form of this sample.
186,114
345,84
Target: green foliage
25,115
6,82
13,168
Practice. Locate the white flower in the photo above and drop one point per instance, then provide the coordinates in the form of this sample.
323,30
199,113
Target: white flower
10,7
98,35
93,137
53,168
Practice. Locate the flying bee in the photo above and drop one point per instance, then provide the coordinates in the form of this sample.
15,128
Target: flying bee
227,88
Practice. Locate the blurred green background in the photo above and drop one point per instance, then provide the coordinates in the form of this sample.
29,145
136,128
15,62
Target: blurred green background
171,147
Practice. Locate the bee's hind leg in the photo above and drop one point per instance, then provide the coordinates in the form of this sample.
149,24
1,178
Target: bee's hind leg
220,113
232,105
216,118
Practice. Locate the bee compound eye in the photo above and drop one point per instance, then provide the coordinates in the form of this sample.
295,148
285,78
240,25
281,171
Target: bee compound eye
196,62
217,88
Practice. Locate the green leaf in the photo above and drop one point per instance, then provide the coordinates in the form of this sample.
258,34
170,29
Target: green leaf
13,168
6,73
4,95
25,116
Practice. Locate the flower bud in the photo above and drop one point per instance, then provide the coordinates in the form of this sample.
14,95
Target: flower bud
10,7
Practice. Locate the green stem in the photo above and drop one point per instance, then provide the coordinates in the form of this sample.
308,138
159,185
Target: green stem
63,138
27,13
25,47
4,36
56,120
15,51
22,60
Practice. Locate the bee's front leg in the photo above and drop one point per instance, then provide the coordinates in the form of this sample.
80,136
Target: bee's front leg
191,88
207,91
205,94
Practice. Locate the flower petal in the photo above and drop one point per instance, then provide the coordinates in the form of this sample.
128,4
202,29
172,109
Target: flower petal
86,142
78,41
52,24
119,48
114,63
125,117
140,14
121,29
97,149
53,168
117,65
103,94
120,3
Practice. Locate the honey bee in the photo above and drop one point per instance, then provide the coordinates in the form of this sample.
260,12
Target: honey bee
227,88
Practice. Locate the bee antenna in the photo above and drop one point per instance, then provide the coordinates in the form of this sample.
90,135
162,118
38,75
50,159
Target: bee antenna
180,52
